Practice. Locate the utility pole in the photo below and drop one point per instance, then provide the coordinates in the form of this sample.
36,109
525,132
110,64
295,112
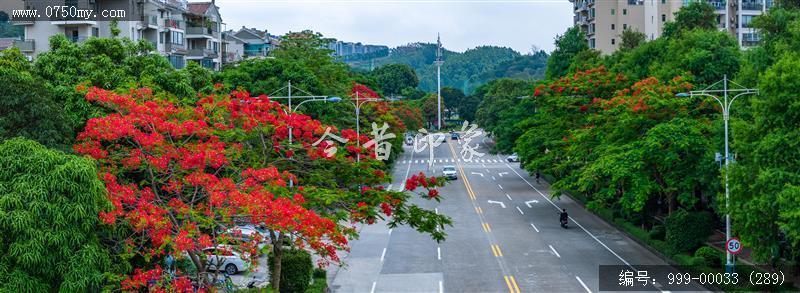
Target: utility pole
725,103
438,63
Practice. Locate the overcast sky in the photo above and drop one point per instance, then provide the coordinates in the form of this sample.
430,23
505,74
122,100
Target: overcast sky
465,24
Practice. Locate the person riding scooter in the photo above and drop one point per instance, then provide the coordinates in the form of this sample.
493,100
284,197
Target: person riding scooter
563,218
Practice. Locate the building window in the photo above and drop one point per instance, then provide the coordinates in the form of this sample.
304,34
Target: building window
591,43
663,17
95,32
613,41
624,26
591,13
161,38
177,38
177,61
612,26
613,11
624,11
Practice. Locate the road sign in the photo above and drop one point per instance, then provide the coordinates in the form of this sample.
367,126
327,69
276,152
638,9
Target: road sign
734,246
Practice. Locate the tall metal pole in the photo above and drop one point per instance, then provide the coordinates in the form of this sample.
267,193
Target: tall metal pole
291,183
439,81
358,128
725,116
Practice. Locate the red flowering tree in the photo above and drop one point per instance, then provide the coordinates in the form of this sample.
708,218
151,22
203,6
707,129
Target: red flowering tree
180,176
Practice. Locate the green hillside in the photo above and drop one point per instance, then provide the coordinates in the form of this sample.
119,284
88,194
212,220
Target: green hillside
465,71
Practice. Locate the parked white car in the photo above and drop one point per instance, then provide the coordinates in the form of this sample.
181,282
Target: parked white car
226,258
246,233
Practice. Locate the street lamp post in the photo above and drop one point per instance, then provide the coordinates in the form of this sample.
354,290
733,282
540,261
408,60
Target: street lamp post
725,104
357,105
292,109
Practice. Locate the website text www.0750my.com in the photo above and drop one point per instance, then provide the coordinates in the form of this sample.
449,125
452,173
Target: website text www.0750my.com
67,12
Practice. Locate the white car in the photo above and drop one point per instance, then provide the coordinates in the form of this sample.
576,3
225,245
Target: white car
513,158
226,258
449,172
246,233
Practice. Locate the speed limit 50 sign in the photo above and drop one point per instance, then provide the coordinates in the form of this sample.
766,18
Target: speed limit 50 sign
734,246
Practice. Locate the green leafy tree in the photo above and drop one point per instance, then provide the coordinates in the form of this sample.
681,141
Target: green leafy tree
49,202
696,15
453,98
764,200
706,54
567,46
632,39
393,78
27,108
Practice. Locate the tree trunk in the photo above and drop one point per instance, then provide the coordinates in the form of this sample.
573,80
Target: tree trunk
277,249
200,264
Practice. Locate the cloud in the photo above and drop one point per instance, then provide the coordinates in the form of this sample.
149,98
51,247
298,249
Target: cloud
463,24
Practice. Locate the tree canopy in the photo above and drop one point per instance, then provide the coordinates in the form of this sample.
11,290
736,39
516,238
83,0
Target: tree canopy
49,202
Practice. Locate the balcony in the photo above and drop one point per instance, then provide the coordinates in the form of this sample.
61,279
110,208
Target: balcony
718,5
175,48
150,21
752,6
194,32
25,45
175,24
22,22
78,39
201,53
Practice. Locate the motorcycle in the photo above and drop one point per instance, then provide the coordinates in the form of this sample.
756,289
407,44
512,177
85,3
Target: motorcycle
564,224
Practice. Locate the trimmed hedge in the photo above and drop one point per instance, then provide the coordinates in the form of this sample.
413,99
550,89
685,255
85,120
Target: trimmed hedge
687,231
296,267
712,258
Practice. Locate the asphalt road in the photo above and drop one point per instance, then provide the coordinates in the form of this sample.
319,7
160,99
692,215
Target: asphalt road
506,236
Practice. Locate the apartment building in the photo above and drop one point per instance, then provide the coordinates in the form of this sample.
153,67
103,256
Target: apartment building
181,31
604,20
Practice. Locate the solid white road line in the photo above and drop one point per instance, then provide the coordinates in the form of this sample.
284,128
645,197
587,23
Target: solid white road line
573,220
554,251
389,187
508,196
439,253
534,228
582,284
436,210
373,287
384,253
402,186
441,288
520,211
390,231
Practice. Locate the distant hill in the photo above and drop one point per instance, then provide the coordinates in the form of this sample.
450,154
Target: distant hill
465,71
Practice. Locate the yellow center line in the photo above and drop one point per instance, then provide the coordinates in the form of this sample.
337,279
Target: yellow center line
514,282
508,283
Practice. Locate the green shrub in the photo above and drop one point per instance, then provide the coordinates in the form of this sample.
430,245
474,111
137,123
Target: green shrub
686,231
658,232
320,273
296,267
712,258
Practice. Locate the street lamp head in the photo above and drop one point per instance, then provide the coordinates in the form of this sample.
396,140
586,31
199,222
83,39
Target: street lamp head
334,99
683,95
